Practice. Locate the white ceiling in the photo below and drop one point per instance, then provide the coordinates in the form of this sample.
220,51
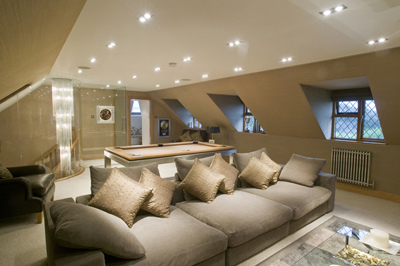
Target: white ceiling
268,29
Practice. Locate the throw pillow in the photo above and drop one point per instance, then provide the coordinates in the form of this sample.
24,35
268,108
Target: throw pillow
241,160
4,172
197,136
202,182
257,173
83,227
265,159
99,175
302,170
183,166
220,166
186,136
121,196
162,191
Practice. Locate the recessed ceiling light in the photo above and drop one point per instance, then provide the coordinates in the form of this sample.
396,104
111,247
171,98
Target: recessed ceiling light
119,82
204,76
107,86
158,85
333,10
134,76
234,43
157,69
111,45
287,59
80,71
380,40
237,69
186,59
177,81
145,17
93,60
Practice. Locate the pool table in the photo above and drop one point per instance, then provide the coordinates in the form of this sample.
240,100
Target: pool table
138,155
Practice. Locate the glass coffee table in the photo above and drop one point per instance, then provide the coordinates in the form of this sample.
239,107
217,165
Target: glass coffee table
322,245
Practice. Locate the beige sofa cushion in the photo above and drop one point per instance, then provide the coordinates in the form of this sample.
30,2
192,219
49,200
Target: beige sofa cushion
159,201
220,166
4,172
242,159
83,227
257,173
202,182
300,198
121,196
302,170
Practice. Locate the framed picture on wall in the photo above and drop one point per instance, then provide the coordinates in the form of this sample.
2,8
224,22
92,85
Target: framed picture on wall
164,127
105,114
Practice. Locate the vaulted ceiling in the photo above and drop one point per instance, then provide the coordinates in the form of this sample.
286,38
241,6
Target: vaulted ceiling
55,38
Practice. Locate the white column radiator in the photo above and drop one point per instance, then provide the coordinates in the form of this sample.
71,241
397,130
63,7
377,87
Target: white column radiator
352,166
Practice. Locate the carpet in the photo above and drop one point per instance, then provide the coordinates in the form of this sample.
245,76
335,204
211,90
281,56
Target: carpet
319,246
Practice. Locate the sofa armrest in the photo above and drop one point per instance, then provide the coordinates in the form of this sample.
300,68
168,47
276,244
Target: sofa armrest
328,181
84,199
27,170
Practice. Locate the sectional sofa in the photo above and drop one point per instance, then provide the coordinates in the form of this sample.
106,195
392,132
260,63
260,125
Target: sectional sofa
226,230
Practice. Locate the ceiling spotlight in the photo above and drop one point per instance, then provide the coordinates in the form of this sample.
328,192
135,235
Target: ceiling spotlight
107,86
111,45
145,17
237,69
187,59
158,85
234,43
287,59
80,71
333,10
93,60
134,76
177,81
380,40
119,82
157,69
204,76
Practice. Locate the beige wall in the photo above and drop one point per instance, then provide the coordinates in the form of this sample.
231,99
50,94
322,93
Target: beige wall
27,129
279,103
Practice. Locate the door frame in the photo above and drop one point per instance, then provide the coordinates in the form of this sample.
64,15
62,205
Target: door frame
128,116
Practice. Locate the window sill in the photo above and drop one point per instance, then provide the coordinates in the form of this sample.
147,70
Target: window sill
359,141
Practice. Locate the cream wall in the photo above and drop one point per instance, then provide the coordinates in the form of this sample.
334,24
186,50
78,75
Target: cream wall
27,129
279,103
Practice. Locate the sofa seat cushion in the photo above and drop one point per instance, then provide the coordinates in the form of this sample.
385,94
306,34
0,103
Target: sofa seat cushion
41,183
241,216
178,240
300,198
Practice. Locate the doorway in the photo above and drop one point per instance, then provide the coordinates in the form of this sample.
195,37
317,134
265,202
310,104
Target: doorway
139,122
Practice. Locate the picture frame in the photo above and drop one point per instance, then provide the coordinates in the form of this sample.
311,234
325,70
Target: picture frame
105,114
164,127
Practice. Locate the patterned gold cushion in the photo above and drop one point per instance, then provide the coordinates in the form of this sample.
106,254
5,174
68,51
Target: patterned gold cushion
265,159
197,136
4,172
202,182
186,136
220,166
162,191
257,173
120,196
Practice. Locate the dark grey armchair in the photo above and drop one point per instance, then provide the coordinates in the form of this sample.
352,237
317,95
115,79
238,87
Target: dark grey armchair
26,192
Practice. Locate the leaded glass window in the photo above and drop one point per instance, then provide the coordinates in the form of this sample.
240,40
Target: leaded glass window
356,120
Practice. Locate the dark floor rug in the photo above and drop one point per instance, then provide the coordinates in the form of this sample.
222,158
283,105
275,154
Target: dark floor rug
320,246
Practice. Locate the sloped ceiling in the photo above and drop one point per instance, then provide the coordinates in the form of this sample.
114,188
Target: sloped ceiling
268,30
32,34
